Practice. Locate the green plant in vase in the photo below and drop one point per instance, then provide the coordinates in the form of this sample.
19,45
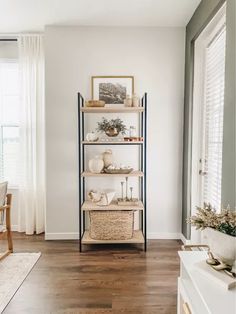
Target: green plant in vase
111,127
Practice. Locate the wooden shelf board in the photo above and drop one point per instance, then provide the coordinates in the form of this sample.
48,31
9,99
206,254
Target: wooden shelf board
132,174
111,109
137,238
88,205
112,142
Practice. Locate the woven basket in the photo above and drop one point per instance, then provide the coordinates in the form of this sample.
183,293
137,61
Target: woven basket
111,225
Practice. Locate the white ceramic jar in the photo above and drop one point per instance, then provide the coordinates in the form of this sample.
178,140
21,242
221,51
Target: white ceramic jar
132,131
96,164
108,158
128,101
135,100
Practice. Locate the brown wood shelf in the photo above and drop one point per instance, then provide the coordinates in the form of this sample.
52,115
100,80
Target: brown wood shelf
88,205
136,173
111,109
137,238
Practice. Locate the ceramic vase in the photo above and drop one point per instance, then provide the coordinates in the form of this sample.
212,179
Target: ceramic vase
108,158
96,164
128,101
135,100
112,132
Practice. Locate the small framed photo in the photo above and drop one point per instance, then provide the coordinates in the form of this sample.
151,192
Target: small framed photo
112,89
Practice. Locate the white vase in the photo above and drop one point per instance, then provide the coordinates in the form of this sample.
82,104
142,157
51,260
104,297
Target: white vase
223,246
107,158
96,164
128,101
135,100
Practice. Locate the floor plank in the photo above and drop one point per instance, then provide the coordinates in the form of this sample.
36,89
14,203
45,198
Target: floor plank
103,279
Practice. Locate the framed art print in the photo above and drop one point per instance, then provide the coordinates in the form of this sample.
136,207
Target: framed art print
112,89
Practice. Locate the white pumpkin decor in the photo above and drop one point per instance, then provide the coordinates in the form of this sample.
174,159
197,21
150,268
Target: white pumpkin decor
91,137
96,164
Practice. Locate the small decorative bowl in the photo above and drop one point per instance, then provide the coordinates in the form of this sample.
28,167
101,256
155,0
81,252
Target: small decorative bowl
118,171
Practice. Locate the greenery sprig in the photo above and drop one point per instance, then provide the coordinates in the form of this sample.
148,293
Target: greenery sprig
106,125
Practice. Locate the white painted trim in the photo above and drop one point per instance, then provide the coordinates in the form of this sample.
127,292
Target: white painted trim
62,236
163,235
75,236
184,240
14,227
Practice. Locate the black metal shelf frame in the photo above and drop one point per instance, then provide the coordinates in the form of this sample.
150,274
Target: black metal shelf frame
142,165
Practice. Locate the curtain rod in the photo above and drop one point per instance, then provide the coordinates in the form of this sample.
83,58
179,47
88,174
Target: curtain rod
8,39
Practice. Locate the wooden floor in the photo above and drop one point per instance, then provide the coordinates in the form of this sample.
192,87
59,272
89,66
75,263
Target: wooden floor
103,279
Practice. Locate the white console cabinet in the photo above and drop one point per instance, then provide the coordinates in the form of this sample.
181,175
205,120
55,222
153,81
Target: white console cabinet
199,295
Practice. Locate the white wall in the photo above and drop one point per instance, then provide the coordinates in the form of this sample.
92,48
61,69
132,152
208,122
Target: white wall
155,57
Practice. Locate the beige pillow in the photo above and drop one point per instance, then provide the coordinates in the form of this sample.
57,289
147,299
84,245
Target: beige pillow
3,192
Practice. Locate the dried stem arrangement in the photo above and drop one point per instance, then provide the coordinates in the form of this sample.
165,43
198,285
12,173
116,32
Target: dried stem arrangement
224,222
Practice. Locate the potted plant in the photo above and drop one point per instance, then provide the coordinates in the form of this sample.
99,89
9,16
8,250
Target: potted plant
111,127
219,231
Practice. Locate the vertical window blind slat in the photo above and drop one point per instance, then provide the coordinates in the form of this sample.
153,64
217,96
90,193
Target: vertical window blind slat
214,107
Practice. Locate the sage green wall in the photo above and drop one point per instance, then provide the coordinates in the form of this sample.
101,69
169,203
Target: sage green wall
202,15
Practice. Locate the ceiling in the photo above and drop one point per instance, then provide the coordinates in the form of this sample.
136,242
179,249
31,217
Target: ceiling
33,15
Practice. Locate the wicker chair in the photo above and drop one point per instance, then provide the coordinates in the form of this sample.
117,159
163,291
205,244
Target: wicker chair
5,212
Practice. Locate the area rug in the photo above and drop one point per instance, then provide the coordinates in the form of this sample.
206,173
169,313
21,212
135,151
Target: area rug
13,271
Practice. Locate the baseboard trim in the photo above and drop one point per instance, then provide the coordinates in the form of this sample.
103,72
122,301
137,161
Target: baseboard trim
75,236
62,236
184,240
14,227
163,236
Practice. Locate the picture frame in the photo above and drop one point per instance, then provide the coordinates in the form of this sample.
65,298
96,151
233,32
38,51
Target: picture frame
112,89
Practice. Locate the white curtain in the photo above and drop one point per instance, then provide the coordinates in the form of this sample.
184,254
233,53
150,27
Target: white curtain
32,146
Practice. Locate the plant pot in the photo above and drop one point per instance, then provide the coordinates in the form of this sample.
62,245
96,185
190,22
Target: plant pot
112,132
223,246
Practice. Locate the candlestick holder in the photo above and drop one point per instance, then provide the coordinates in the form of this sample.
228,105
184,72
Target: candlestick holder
122,190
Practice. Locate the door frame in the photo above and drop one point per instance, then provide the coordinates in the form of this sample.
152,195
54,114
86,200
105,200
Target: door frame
198,119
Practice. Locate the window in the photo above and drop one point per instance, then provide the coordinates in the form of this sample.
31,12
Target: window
208,109
9,122
214,109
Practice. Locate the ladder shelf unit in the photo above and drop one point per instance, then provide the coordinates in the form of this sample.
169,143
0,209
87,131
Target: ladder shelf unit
139,236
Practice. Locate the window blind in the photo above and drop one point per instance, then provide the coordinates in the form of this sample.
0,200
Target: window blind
214,108
9,122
